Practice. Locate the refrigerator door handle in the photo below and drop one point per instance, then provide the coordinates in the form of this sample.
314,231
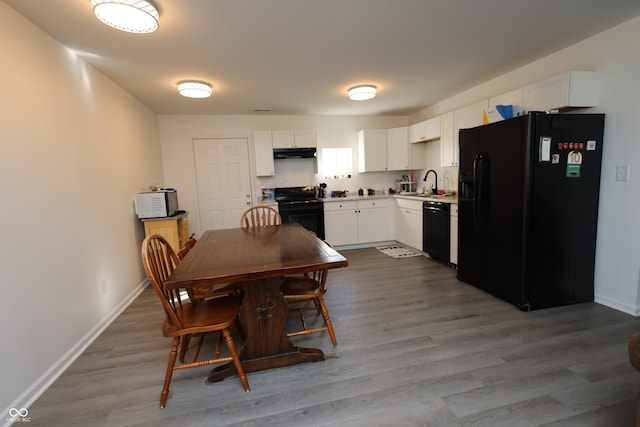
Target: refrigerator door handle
481,187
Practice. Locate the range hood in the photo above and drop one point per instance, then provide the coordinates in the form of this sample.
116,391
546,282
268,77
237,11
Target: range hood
294,153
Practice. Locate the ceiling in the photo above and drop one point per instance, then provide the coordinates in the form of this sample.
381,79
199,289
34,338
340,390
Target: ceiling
300,56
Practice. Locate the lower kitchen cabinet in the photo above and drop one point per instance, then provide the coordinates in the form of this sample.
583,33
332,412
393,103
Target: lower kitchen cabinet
453,223
408,222
175,229
352,222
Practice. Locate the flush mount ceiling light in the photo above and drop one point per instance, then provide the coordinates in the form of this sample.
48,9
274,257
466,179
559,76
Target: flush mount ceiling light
194,89
133,16
362,93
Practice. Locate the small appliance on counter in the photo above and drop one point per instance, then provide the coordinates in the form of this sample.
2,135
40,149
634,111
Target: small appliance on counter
367,191
157,204
322,190
268,194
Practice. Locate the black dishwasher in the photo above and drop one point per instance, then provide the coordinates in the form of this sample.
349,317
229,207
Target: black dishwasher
436,232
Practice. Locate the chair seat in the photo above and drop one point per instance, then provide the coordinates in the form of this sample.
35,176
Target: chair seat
300,286
209,315
203,292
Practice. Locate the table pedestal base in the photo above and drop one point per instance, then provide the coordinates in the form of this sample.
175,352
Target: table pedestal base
299,355
263,316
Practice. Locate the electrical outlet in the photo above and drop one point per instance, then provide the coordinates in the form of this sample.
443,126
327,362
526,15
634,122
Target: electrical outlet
622,173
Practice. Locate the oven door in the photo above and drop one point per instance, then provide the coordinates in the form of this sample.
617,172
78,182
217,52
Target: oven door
308,214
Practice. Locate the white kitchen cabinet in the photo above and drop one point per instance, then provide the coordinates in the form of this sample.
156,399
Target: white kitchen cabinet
418,132
408,222
514,98
453,223
374,221
305,138
372,150
448,141
397,149
263,150
352,222
402,155
425,130
341,222
464,118
570,89
294,138
471,115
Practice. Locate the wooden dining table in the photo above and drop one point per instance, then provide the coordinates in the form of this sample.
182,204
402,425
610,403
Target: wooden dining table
256,260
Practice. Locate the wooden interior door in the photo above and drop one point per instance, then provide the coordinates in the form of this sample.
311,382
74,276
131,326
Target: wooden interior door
223,180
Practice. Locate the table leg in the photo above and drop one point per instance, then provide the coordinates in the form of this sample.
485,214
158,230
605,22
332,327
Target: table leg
263,315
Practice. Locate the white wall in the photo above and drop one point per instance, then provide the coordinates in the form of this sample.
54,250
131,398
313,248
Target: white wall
614,53
178,131
76,149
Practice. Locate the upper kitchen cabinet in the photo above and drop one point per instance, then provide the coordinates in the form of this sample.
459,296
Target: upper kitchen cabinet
448,141
572,89
372,150
471,115
425,130
403,155
464,118
294,139
263,150
397,148
515,98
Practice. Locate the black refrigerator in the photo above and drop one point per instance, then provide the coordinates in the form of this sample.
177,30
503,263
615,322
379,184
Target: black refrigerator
528,208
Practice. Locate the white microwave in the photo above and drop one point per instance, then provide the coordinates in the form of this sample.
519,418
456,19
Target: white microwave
156,204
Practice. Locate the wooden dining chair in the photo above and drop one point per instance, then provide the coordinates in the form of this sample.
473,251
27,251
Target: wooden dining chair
258,216
298,291
201,293
184,317
186,248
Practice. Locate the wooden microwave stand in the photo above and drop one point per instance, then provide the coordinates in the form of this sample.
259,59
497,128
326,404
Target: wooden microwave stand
174,228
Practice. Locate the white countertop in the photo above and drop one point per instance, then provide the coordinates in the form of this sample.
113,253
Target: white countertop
443,199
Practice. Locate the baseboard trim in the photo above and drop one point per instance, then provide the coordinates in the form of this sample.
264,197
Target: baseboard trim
633,310
33,392
365,245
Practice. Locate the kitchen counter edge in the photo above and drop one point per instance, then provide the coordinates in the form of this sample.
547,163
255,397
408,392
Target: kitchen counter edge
451,199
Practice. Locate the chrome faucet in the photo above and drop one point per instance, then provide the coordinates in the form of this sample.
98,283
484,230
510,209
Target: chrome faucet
435,188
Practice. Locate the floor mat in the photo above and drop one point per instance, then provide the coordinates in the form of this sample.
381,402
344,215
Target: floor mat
397,251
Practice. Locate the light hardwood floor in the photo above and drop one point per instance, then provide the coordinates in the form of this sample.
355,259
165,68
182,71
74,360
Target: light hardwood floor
415,348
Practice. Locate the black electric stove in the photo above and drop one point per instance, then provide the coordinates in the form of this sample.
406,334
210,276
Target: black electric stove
301,205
